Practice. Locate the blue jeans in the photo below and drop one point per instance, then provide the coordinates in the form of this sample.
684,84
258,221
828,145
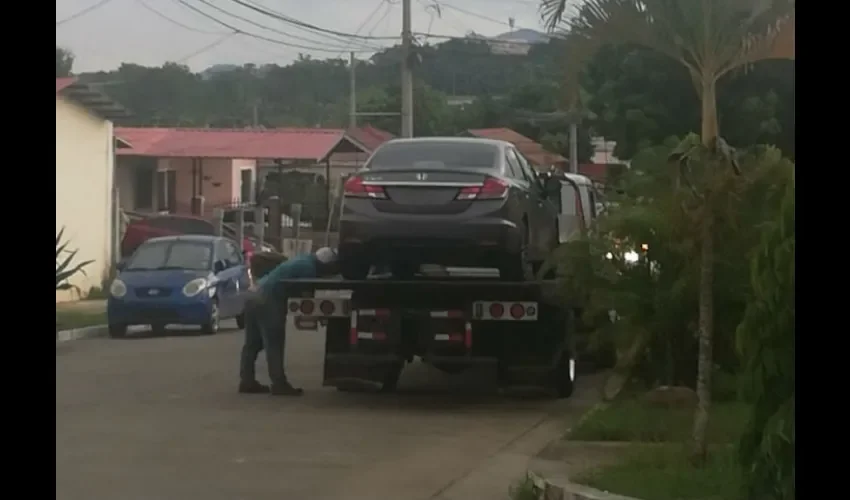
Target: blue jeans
265,326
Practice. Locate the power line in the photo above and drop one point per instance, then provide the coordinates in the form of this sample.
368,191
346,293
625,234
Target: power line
368,18
162,16
207,47
262,26
389,7
83,12
291,20
254,35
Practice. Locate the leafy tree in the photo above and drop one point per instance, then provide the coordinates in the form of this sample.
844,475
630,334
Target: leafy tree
64,62
767,342
709,39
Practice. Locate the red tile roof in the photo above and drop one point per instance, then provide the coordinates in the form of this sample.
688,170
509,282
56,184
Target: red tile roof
533,151
62,83
594,171
282,143
370,136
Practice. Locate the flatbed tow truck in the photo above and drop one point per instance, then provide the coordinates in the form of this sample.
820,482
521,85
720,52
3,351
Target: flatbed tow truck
454,322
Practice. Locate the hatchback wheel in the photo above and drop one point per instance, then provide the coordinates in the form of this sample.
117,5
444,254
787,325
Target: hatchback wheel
212,325
117,331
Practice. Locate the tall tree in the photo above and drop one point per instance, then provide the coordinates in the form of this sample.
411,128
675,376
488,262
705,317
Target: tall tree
64,62
710,38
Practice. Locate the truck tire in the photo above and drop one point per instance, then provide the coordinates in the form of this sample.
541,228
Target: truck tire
564,375
390,382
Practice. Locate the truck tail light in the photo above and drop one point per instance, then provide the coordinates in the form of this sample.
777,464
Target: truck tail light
356,188
517,311
491,189
307,307
497,310
327,307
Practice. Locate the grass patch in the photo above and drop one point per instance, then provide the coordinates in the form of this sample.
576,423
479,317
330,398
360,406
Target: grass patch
663,472
635,420
67,319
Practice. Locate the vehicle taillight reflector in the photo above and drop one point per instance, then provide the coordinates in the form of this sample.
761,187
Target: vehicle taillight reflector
497,310
517,311
307,307
354,187
293,307
327,307
490,189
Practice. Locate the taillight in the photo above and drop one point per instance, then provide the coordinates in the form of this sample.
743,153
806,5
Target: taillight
327,307
307,307
491,189
497,310
517,311
355,188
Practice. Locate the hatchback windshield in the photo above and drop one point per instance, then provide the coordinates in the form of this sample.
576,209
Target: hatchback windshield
434,154
172,255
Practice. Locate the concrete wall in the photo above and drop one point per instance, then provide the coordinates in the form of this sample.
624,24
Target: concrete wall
84,175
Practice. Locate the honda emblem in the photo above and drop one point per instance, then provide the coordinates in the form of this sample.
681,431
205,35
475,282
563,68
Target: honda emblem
421,177
153,291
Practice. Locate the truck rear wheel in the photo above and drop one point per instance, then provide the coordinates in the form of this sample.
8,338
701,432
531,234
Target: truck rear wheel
564,376
390,382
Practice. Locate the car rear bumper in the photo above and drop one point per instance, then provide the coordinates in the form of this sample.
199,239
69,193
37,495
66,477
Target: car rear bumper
463,242
182,311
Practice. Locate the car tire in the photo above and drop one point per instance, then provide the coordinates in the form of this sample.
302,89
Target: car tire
158,328
240,321
212,326
564,375
390,381
404,269
354,269
517,267
117,331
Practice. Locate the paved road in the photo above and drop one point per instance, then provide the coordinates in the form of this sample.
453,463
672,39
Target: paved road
159,419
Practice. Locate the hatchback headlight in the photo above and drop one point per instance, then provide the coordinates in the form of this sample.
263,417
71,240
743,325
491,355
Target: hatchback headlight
118,289
194,287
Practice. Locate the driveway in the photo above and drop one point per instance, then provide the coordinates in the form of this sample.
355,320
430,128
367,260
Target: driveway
160,419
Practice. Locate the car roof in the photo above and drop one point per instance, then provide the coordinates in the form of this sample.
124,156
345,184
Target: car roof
192,238
457,140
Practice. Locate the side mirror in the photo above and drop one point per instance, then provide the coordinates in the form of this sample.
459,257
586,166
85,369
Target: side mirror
551,186
219,266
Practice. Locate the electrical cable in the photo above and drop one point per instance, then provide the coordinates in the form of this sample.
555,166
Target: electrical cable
291,20
262,26
159,14
207,47
83,12
254,35
368,18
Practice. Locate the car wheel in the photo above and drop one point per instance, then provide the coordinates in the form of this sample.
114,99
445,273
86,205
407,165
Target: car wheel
212,325
354,269
517,267
240,321
117,331
158,328
565,376
404,269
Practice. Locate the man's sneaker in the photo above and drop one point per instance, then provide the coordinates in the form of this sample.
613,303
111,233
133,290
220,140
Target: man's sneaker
253,388
286,389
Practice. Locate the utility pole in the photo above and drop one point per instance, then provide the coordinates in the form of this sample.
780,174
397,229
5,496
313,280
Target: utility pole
352,90
406,71
573,147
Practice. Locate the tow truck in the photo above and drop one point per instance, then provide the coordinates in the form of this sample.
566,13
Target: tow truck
452,319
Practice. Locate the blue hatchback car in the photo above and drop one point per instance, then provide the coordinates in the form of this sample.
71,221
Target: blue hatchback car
179,280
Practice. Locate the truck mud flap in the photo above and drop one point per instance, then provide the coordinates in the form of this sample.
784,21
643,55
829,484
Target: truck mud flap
358,371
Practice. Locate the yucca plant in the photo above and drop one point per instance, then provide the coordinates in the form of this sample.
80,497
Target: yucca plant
65,266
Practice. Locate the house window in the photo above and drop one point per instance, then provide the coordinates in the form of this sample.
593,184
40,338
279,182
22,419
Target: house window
166,188
143,186
246,185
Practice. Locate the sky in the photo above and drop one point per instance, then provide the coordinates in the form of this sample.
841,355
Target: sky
151,32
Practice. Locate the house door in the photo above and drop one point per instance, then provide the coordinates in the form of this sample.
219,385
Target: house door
143,187
166,188
246,186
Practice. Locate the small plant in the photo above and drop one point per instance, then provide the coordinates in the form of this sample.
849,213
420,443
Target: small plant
525,489
65,266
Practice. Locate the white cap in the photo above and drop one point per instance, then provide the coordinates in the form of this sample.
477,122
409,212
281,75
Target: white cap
326,255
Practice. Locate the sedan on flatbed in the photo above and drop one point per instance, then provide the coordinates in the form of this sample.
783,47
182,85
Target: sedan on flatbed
449,201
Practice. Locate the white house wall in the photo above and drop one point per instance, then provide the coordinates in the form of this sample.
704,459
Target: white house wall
84,170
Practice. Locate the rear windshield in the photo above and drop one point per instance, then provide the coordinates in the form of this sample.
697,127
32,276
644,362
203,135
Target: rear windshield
433,154
191,255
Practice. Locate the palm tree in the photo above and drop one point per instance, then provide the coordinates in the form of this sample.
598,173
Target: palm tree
710,38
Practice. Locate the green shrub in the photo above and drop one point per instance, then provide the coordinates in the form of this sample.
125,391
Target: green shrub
65,266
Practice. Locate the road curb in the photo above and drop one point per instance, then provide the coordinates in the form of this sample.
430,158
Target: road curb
88,332
548,490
